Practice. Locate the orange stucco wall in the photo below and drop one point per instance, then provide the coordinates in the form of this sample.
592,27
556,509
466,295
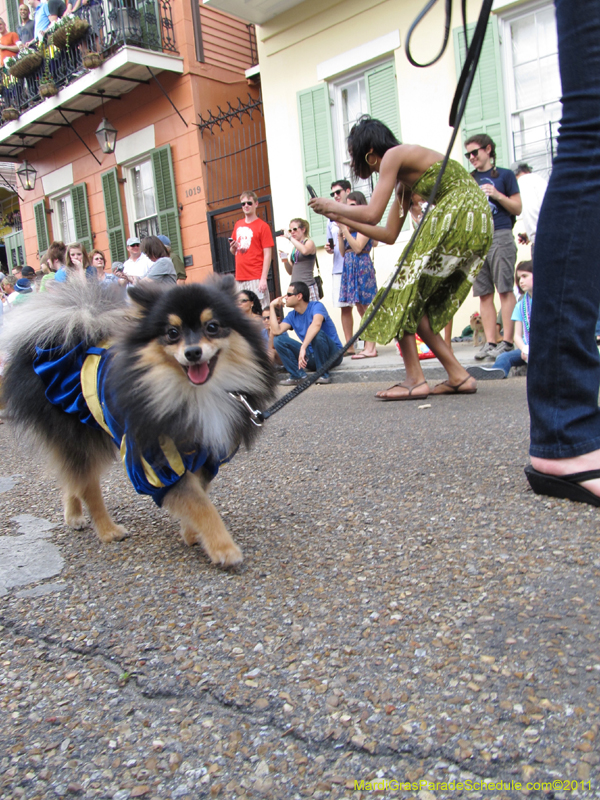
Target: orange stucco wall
203,86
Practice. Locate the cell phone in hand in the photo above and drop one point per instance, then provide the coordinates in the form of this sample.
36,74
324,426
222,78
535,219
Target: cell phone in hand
331,243
310,190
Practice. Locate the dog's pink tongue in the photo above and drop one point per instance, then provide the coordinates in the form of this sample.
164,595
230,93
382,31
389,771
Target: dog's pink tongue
198,373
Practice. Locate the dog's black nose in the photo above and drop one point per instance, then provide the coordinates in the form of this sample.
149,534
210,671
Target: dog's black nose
193,354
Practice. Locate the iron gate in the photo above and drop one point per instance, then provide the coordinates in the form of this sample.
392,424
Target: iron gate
236,161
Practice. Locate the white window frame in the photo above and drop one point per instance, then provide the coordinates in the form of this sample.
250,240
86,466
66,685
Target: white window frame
132,218
57,228
335,86
505,19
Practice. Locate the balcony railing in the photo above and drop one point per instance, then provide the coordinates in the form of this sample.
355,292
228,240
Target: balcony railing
141,23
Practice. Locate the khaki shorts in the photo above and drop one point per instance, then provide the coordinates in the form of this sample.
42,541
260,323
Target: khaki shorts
253,287
498,269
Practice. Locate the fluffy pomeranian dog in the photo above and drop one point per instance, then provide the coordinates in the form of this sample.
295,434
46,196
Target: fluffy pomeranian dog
158,379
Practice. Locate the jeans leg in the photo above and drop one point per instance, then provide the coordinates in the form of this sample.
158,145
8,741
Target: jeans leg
564,373
510,359
323,349
288,350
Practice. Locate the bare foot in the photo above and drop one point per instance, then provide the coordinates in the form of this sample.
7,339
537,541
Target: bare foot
569,466
404,391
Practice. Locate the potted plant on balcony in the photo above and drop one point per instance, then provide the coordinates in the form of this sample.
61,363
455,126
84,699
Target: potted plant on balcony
91,60
47,85
10,113
66,31
24,63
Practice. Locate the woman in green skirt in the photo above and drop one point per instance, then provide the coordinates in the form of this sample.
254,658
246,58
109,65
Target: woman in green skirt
440,269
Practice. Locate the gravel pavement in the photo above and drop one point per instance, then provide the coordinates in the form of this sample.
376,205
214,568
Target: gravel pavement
408,611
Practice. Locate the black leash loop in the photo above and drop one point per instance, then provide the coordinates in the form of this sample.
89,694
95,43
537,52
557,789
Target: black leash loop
411,30
457,110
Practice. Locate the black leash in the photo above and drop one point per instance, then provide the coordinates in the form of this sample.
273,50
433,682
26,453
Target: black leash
457,110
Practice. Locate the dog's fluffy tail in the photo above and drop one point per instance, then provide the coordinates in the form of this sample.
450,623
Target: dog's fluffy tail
76,311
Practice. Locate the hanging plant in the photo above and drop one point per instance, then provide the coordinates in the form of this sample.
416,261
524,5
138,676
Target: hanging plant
66,31
27,61
91,60
10,114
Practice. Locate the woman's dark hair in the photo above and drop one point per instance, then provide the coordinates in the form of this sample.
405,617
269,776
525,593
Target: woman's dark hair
522,266
154,248
256,305
483,140
368,134
358,198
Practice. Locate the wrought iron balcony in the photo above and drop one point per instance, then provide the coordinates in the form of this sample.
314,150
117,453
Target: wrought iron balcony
146,24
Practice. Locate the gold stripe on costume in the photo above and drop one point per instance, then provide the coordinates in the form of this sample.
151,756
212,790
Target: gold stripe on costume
172,455
89,382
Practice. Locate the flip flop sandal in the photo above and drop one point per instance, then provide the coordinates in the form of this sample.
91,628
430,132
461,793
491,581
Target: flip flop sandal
450,388
565,487
360,356
409,396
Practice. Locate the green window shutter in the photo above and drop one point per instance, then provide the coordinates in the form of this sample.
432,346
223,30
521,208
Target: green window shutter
166,198
41,226
316,142
114,215
12,10
382,104
81,215
485,111
382,96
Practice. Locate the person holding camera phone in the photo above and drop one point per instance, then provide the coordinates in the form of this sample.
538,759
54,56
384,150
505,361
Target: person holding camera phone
339,191
252,245
300,264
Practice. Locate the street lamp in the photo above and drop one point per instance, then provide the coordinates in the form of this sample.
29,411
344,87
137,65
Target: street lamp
27,175
105,132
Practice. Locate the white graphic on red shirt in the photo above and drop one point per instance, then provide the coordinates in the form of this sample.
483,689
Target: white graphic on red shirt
244,239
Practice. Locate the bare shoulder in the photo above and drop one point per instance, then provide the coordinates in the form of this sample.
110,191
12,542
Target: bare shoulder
410,161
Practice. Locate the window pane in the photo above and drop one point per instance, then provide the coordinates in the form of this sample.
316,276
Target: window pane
64,208
143,190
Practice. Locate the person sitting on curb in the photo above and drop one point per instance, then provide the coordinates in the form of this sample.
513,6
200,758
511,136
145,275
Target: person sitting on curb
521,317
314,327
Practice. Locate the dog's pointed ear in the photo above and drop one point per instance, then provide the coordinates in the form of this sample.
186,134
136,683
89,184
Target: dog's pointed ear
229,285
143,296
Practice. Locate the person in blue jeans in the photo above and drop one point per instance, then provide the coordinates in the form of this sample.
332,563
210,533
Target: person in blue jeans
521,316
564,371
314,328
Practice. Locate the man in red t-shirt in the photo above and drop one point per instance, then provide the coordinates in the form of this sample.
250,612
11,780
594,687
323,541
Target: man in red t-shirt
8,42
252,245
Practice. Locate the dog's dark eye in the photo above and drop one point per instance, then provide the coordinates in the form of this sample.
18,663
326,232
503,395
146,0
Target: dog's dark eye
212,328
173,335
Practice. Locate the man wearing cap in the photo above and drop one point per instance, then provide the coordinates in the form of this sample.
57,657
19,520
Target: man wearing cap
177,262
22,289
138,264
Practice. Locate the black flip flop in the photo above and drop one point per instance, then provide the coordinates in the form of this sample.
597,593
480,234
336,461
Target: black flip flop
566,486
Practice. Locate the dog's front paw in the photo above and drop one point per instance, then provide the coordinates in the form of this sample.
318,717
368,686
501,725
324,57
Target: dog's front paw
76,521
226,555
111,533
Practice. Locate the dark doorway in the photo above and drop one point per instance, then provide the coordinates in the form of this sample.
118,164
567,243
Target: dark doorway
236,161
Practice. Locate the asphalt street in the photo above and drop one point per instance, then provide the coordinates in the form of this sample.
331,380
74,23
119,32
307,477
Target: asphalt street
409,619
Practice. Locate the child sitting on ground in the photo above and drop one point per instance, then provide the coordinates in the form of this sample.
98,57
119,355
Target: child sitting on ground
521,316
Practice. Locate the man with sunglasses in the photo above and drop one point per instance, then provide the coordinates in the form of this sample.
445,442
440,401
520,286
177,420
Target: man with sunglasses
138,263
314,327
252,245
498,270
339,191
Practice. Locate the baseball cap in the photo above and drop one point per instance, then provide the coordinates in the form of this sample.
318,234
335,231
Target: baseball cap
164,239
133,240
23,286
28,272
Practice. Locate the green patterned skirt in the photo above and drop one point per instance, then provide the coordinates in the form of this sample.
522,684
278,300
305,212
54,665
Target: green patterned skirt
439,272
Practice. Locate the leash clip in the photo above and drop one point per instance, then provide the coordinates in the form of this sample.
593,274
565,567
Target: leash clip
256,416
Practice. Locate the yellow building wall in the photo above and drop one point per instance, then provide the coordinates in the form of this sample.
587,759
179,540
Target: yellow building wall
291,47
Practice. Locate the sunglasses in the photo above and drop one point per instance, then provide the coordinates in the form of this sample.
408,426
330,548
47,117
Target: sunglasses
474,152
290,294
247,202
244,300
293,230
337,191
